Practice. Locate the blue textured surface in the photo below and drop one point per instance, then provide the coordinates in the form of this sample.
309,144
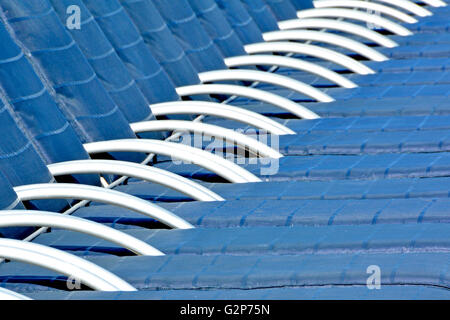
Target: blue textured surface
346,141
66,69
333,167
302,4
282,9
162,42
330,189
259,212
217,27
263,16
258,271
33,105
107,64
21,163
130,47
278,240
308,293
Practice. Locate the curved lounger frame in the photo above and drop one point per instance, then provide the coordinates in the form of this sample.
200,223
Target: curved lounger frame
309,50
386,10
387,24
221,110
266,77
251,93
325,37
130,169
343,26
28,218
231,136
291,63
85,192
222,167
62,262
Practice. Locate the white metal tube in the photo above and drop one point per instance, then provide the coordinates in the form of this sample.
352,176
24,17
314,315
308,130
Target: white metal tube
6,294
138,171
435,3
85,192
221,110
226,89
266,77
325,37
28,218
310,50
387,24
235,137
222,167
292,63
62,262
343,26
388,11
409,6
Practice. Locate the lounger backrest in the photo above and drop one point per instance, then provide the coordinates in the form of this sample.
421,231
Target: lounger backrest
20,163
262,14
107,65
155,32
132,88
239,18
282,9
9,201
302,4
187,29
216,25
121,59
79,92
32,105
8,198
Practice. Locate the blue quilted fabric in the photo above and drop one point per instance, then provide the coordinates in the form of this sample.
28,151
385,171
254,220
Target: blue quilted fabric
82,97
294,293
283,10
176,272
162,42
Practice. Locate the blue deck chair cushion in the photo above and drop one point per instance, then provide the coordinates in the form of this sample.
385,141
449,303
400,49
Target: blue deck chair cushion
255,271
106,63
34,106
278,240
243,24
117,31
302,4
282,9
81,95
20,162
194,40
295,293
262,14
161,41
217,27
9,201
287,212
